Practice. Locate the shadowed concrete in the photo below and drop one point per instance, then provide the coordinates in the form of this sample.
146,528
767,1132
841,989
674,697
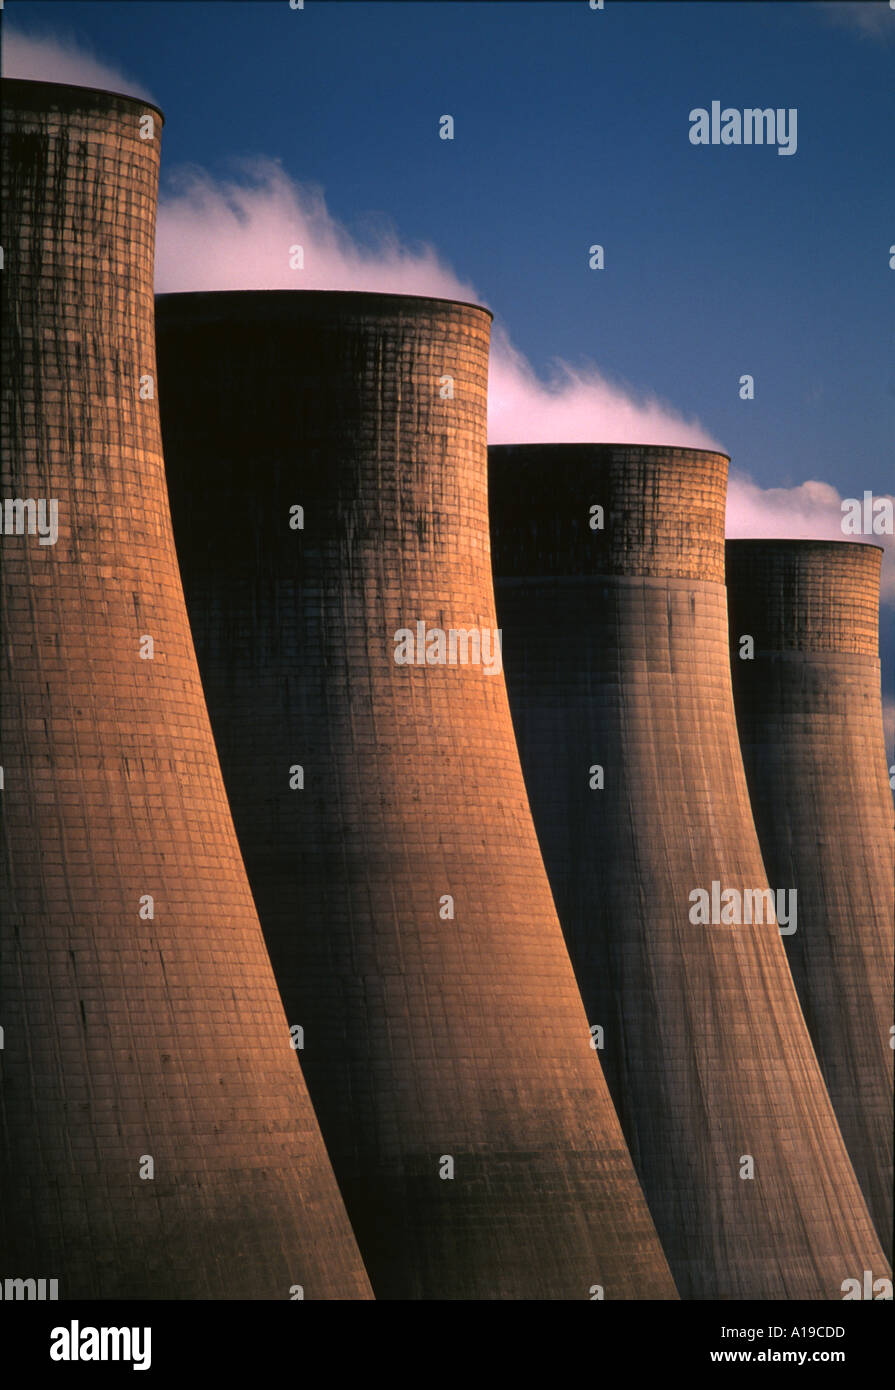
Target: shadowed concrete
133,1030
434,1033
809,712
616,652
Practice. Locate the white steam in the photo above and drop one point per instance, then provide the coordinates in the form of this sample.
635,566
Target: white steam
61,58
873,19
264,231
810,511
576,405
243,233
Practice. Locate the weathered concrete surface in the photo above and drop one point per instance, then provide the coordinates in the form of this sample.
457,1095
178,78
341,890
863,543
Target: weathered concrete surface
809,713
427,1037
616,651
125,1036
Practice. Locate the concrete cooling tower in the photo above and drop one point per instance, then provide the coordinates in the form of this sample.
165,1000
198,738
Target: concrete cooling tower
327,471
809,713
609,565
156,1136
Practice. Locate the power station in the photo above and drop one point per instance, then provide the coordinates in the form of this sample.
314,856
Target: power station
804,628
289,1007
157,1140
609,566
327,469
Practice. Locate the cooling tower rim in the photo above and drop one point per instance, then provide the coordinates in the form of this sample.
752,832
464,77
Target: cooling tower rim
566,446
222,297
796,542
19,86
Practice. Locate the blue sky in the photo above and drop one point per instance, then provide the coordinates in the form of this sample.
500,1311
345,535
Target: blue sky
572,128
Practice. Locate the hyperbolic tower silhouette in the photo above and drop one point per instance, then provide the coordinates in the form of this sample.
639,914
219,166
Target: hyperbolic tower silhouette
157,1136
616,653
809,713
380,806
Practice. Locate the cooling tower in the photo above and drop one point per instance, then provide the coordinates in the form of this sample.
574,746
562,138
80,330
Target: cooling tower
616,654
157,1137
809,713
328,478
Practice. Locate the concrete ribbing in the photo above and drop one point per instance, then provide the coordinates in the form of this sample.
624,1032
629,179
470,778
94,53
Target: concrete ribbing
616,652
125,1037
425,1036
809,714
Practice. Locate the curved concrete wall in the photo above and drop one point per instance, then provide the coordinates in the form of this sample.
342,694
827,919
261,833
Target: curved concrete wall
126,1037
432,1035
616,652
809,713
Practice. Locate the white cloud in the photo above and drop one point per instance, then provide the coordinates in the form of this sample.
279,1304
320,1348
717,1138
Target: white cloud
62,58
812,510
237,234
871,18
577,404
